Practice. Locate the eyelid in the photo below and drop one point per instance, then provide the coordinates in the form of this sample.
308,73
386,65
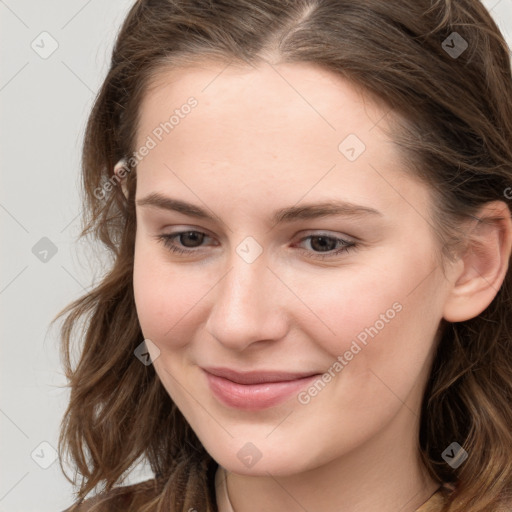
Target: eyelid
185,228
329,234
345,245
303,234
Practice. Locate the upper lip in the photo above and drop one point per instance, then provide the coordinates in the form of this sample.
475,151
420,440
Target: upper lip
257,376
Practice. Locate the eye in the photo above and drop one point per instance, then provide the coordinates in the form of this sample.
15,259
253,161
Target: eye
190,239
330,245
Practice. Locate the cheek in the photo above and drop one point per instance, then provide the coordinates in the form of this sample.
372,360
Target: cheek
166,297
378,325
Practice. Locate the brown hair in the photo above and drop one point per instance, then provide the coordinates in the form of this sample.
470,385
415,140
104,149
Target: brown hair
456,136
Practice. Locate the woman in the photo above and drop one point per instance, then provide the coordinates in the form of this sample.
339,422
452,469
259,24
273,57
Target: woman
308,306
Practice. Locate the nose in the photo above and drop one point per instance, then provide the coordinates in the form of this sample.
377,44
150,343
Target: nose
248,305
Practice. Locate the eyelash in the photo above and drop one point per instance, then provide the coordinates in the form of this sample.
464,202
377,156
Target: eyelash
346,245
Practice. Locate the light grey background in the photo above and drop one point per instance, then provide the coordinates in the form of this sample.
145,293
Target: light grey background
44,102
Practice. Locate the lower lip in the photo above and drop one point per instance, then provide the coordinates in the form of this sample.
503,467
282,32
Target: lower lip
254,397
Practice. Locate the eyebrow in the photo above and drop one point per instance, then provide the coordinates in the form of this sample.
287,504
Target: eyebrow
288,214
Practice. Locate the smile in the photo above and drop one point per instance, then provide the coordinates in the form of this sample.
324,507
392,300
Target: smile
258,390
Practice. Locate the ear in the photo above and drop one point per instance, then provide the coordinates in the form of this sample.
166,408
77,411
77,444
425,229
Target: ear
121,170
483,265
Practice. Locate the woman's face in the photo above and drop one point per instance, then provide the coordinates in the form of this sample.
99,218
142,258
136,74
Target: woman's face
267,282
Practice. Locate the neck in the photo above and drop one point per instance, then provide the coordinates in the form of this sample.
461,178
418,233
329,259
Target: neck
383,475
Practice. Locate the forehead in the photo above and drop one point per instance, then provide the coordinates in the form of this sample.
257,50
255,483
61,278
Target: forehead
265,95
281,126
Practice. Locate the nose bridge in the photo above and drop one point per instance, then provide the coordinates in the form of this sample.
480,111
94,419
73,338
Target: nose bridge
245,307
241,292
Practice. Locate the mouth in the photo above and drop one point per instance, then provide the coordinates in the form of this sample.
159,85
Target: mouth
255,390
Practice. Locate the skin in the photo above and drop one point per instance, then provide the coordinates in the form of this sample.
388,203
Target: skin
261,139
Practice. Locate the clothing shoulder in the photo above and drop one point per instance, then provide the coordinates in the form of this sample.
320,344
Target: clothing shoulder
438,500
120,499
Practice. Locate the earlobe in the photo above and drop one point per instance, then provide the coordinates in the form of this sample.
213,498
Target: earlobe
483,265
124,188
121,170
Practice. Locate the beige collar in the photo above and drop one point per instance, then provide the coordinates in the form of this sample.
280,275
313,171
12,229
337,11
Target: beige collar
433,504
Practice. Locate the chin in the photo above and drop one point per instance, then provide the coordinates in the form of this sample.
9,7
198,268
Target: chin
259,458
